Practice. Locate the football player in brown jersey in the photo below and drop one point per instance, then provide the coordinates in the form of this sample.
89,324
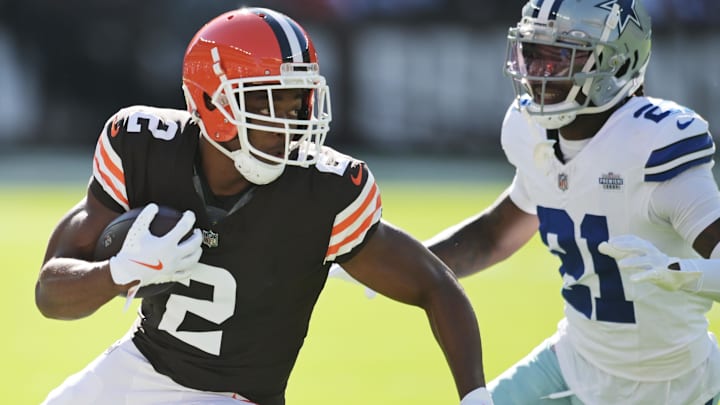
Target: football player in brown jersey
271,207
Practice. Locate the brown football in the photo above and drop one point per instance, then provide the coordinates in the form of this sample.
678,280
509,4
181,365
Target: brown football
112,238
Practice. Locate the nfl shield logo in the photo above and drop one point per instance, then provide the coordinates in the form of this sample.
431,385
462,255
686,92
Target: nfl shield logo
562,181
210,238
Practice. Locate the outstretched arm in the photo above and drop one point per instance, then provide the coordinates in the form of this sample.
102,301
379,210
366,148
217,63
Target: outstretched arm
484,239
399,267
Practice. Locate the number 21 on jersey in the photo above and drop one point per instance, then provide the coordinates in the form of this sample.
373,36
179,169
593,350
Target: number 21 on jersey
577,248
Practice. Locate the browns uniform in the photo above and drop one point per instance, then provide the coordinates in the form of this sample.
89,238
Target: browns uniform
238,323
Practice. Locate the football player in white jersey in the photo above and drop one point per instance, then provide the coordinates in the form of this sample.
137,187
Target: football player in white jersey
616,183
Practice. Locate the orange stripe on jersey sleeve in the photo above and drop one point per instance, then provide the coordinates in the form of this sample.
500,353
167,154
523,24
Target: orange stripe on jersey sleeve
114,170
354,238
109,174
354,216
107,183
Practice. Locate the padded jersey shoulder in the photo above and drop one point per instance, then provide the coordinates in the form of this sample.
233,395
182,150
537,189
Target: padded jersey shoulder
140,146
673,138
345,188
668,137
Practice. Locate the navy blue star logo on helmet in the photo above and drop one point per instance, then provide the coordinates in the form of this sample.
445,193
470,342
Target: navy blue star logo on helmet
627,12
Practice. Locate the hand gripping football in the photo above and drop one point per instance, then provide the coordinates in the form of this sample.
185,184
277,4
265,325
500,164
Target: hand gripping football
112,238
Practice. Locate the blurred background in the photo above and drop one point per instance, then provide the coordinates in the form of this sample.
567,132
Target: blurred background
406,76
419,79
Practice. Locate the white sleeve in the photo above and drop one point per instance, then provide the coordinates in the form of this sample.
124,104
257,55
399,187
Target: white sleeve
519,195
689,201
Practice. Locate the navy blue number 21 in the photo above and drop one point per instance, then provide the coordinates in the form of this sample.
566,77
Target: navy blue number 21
557,231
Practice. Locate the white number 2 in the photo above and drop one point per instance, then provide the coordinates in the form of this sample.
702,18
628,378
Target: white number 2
153,125
217,310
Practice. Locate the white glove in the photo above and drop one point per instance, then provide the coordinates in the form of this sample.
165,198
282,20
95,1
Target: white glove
635,254
478,396
156,259
336,271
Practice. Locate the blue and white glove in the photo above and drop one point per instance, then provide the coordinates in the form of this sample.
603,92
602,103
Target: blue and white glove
649,264
478,396
156,259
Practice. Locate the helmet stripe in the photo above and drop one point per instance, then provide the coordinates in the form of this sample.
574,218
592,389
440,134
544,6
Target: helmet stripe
292,42
300,35
536,8
554,9
547,10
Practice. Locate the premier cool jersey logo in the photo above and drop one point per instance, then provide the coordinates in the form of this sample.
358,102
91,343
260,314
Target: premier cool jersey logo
611,181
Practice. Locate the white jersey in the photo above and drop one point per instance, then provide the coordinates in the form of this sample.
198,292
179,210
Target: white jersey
630,330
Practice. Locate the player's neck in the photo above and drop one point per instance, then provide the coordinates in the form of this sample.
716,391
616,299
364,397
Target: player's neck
220,172
585,126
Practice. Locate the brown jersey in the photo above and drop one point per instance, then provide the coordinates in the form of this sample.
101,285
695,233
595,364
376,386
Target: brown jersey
238,323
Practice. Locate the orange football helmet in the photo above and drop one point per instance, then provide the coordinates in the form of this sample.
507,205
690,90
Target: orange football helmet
256,49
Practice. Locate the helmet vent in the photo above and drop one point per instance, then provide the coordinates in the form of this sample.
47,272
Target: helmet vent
208,102
623,69
636,59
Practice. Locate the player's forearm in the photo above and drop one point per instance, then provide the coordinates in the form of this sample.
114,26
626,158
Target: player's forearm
458,257
72,289
462,249
456,329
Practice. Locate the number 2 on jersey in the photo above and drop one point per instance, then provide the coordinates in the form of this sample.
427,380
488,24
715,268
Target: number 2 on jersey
580,258
217,310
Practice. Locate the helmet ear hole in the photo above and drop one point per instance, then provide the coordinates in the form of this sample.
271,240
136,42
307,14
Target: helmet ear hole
636,58
208,102
623,69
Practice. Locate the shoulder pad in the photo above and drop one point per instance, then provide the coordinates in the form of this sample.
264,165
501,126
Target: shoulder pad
519,136
160,123
680,139
361,212
137,125
332,161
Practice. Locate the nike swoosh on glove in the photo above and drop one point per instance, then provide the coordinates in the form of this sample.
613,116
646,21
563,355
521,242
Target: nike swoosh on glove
156,259
649,264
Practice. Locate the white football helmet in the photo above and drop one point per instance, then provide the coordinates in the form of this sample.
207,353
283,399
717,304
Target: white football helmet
256,50
577,57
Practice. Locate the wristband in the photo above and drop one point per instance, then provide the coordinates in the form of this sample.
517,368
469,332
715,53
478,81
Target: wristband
478,396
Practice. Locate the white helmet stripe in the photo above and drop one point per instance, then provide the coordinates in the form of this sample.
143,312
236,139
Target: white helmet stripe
548,9
287,33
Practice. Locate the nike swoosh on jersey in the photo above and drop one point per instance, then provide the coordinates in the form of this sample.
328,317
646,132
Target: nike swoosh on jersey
357,179
114,128
158,266
683,125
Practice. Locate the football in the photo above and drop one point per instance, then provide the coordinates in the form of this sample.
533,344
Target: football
113,236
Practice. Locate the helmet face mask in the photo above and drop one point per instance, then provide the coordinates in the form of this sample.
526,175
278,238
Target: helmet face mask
582,57
304,134
246,53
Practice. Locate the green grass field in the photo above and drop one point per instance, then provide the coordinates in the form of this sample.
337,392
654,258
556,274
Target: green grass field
358,351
